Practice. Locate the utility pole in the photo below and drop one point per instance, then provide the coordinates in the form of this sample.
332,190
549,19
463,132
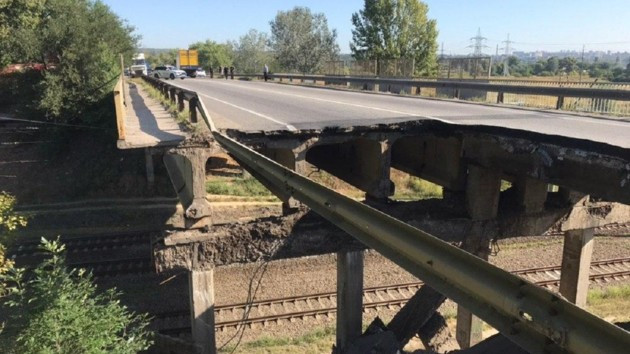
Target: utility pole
508,52
582,64
442,51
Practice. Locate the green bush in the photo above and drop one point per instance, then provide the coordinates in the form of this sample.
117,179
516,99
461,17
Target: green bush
56,310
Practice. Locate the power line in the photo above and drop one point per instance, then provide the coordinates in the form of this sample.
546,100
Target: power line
478,43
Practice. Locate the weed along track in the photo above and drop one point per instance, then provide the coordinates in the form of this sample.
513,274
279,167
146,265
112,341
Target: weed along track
264,312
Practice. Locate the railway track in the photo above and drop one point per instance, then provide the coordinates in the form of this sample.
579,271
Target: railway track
86,244
265,312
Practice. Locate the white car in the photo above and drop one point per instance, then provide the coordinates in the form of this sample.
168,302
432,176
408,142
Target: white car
168,72
200,73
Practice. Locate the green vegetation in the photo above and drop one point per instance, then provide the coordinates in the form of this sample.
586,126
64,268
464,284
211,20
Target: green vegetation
252,52
414,188
392,29
301,40
237,187
56,310
564,67
77,43
213,54
182,117
318,341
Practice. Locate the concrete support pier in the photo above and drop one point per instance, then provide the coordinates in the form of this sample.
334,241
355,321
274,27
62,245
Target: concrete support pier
576,263
201,292
349,297
187,170
148,156
483,187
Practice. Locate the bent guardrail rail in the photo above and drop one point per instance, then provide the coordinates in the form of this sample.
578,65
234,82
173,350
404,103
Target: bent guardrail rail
534,318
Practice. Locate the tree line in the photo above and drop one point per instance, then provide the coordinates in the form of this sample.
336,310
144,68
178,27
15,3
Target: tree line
568,66
300,41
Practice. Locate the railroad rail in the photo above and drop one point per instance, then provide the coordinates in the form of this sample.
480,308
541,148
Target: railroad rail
290,308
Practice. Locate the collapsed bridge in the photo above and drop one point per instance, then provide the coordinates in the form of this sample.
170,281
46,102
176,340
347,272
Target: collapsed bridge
279,132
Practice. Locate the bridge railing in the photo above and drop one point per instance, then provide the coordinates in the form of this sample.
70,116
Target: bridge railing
178,96
119,106
609,99
533,317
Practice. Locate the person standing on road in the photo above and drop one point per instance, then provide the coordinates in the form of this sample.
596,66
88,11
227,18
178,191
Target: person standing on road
266,72
225,72
232,72
211,73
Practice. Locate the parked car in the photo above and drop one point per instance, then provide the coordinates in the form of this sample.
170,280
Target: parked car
200,73
168,72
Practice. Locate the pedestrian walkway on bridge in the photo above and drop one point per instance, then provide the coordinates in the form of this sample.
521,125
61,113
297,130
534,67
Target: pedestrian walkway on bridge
146,122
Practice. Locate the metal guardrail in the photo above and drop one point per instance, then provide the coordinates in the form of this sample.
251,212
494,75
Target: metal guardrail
609,99
534,318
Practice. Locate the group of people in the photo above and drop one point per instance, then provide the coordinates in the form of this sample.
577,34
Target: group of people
230,72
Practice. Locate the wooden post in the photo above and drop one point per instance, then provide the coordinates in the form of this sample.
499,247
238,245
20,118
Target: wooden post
180,102
500,97
201,293
349,297
576,263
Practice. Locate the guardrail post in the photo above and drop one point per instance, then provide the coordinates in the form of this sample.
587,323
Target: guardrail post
500,97
560,102
349,297
172,94
201,293
181,105
456,93
192,106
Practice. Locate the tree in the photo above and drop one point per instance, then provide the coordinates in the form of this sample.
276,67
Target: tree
213,54
393,29
252,52
9,222
302,41
54,310
569,64
78,42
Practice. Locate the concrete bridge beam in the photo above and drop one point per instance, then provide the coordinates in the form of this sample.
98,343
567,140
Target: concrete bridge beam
293,159
531,194
363,163
438,160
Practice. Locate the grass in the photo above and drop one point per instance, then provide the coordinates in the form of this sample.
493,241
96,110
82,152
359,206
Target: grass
413,188
318,341
611,303
237,186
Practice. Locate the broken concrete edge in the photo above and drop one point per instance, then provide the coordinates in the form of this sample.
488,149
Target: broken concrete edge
588,215
438,128
304,233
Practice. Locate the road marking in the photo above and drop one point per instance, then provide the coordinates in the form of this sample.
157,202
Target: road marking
344,103
287,125
568,117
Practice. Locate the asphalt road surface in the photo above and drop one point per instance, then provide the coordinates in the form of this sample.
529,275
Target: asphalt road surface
258,106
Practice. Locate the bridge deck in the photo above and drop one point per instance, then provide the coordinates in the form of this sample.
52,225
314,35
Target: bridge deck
259,106
147,123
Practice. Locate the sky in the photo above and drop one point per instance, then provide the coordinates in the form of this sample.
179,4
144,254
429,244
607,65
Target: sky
548,25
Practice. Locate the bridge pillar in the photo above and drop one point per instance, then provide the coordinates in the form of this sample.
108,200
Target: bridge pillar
293,159
364,163
187,170
483,187
201,293
576,263
531,194
349,297
148,157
